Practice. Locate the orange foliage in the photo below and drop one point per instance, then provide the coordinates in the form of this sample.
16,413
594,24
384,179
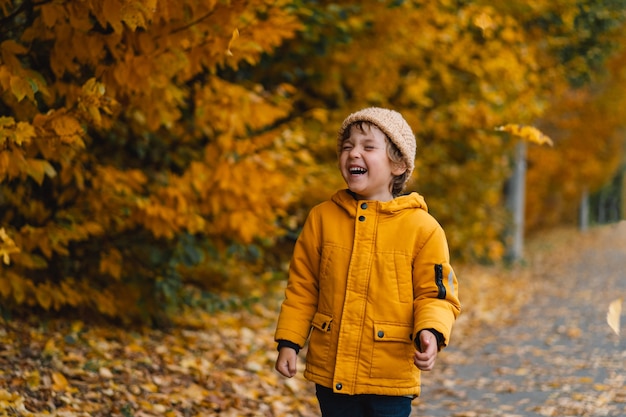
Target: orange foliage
104,171
149,146
588,150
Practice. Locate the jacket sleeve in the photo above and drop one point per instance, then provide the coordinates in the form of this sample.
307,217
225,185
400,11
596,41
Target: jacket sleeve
435,288
301,294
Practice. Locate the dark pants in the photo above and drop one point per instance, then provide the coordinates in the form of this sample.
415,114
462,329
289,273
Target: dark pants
362,405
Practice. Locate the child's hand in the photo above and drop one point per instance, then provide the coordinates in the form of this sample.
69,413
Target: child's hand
286,362
425,358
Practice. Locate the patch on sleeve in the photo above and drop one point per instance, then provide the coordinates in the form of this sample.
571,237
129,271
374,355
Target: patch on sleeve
451,281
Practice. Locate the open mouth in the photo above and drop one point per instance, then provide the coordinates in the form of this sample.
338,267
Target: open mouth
357,170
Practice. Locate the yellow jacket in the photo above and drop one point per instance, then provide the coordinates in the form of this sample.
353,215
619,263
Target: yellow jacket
365,278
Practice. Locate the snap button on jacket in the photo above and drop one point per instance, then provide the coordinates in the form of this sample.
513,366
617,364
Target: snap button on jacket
360,290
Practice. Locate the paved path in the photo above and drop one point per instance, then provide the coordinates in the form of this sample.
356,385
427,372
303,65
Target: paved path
558,357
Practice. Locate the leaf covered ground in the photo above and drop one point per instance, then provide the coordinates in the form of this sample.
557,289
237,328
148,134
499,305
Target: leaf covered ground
532,341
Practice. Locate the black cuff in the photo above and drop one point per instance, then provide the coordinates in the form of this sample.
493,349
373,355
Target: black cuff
438,335
287,343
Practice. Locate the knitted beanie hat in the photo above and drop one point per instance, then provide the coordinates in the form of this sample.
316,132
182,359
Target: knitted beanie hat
392,124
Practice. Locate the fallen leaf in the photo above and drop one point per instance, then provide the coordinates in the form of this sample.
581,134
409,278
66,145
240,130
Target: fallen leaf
613,316
33,379
59,381
50,348
195,392
105,373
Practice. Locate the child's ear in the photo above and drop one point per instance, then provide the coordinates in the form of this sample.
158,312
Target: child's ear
398,168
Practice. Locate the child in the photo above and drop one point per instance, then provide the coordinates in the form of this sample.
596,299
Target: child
370,279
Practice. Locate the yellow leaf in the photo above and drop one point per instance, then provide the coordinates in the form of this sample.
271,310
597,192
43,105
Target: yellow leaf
10,46
150,387
59,382
21,88
484,22
65,125
111,14
195,392
19,292
13,399
77,326
50,348
37,169
135,15
105,372
613,315
44,294
33,379
7,247
52,13
24,133
232,40
95,115
527,133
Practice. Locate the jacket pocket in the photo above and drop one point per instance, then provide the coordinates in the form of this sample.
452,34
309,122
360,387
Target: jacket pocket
392,356
319,343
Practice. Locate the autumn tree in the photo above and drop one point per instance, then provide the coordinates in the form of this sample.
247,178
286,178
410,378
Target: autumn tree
587,125
585,116
129,168
153,152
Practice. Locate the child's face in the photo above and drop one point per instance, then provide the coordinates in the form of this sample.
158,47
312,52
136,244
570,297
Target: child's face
365,164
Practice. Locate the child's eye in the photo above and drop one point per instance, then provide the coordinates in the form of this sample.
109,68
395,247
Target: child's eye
346,147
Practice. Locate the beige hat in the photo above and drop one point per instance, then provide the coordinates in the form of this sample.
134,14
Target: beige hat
393,125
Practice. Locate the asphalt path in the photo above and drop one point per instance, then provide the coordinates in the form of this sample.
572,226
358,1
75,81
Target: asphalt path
557,356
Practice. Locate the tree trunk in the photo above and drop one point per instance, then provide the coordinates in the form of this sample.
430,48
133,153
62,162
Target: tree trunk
517,203
583,222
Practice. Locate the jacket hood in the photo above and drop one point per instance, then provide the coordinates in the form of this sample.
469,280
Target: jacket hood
346,200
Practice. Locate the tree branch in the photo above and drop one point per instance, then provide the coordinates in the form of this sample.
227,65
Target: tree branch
190,24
